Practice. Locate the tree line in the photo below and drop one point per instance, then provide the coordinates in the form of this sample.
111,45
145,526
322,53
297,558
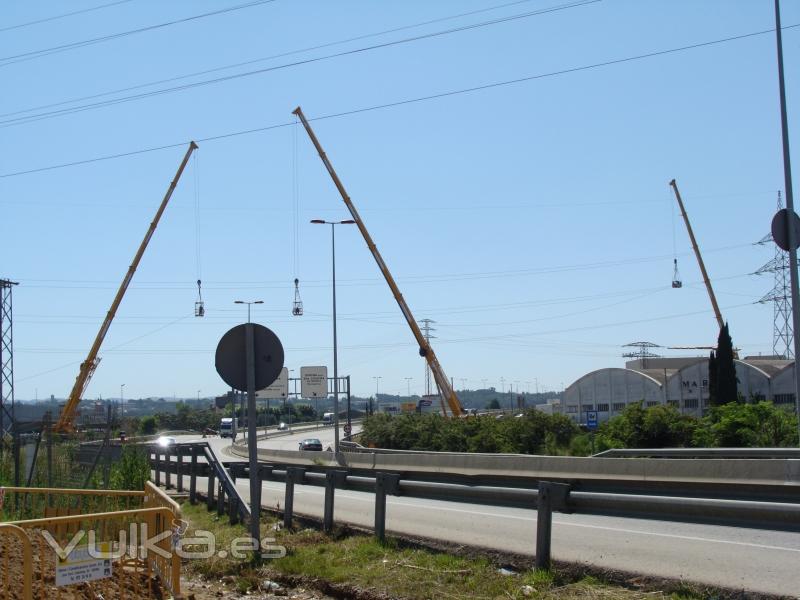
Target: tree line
734,424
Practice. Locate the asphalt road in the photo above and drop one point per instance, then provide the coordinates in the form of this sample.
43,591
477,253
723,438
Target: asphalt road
741,558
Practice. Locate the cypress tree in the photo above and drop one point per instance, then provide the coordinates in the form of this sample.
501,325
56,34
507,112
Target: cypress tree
713,388
727,383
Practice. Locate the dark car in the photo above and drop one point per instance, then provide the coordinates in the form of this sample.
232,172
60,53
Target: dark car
311,444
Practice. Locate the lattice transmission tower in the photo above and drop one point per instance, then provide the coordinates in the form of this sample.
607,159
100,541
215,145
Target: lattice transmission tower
780,296
643,351
6,364
427,330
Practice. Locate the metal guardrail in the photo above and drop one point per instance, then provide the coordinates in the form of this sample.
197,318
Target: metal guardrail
220,482
689,453
544,495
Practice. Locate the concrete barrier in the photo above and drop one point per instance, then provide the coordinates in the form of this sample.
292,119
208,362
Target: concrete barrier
750,472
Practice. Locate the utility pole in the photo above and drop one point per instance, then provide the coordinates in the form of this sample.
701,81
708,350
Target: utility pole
787,175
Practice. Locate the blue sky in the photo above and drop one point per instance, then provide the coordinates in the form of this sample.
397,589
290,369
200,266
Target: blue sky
532,221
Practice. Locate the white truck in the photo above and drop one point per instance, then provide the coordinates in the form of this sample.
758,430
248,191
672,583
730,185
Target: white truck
327,418
228,427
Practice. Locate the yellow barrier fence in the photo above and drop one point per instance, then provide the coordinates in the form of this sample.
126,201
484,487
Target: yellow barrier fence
56,557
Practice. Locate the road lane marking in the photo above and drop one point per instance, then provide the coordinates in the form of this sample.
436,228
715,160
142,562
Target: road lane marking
360,497
681,537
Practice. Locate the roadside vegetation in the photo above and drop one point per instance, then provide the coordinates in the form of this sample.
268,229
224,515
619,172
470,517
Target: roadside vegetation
735,424
129,472
189,418
356,565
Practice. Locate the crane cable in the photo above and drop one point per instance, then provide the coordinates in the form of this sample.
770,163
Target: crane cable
295,202
199,306
676,276
297,304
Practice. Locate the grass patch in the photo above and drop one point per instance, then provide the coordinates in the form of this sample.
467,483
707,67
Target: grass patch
361,563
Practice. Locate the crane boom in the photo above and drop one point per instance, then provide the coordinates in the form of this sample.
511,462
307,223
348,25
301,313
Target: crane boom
696,249
425,348
89,365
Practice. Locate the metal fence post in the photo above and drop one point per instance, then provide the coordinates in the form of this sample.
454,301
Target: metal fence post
332,478
385,483
220,499
157,466
167,470
233,510
293,475
552,496
193,477
179,467
210,491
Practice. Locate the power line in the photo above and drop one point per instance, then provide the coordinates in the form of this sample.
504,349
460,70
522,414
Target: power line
77,284
401,102
16,58
263,59
62,16
227,78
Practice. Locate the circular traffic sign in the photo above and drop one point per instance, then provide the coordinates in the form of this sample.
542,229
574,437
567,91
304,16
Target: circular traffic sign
347,429
780,232
231,357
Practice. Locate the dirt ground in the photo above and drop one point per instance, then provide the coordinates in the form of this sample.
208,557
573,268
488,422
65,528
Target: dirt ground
194,588
123,583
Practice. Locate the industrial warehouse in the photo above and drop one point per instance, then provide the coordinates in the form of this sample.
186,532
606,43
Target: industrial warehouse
679,381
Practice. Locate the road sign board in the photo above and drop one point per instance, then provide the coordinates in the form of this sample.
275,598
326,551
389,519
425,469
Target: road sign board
347,429
80,565
591,419
427,400
278,389
231,356
314,382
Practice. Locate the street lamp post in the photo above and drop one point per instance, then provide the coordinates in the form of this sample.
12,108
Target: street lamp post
122,401
335,355
249,304
408,384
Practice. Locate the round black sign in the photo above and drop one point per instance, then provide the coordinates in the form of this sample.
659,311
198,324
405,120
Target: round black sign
231,357
780,232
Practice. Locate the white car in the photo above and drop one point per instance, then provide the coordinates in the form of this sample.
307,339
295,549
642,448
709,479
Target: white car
283,427
165,441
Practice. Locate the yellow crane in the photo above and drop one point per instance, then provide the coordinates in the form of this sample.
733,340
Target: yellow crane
88,366
696,248
425,349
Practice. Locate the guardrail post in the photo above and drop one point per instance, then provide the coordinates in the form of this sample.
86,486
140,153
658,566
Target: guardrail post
179,467
293,475
233,510
167,470
210,490
220,499
385,483
157,467
332,478
193,477
552,496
